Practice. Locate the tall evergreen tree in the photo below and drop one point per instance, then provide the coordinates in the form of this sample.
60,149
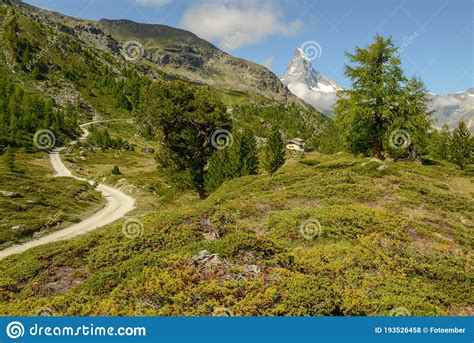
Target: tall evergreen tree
380,102
439,143
460,146
247,154
238,160
274,152
443,147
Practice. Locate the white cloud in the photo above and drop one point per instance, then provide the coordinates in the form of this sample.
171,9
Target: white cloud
237,23
154,3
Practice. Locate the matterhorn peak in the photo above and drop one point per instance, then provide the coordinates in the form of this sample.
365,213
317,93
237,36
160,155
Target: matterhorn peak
301,54
308,84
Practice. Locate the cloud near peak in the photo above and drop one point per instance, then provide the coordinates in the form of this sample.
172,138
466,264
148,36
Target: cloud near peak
238,23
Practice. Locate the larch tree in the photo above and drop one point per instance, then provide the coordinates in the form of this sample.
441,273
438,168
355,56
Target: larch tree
384,112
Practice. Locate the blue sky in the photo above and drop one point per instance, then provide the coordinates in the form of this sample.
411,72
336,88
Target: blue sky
436,36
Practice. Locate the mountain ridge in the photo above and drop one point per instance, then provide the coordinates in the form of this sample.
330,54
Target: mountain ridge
176,52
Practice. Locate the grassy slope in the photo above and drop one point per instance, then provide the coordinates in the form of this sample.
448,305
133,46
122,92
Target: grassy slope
46,204
399,237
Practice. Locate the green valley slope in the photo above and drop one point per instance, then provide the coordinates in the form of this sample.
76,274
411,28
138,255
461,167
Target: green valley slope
325,236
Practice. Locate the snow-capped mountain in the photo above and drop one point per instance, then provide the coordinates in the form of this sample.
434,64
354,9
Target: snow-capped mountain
310,85
452,108
320,91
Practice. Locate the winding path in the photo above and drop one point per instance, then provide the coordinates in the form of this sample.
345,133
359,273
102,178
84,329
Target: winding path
118,205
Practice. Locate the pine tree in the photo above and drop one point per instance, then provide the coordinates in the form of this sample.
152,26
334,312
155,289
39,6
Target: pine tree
274,152
439,143
460,146
10,159
382,101
240,159
248,151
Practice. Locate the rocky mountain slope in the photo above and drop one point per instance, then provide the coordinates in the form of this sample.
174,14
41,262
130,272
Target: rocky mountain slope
452,108
176,52
312,86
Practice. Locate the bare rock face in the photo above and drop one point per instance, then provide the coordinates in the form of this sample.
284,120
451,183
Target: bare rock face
177,56
95,35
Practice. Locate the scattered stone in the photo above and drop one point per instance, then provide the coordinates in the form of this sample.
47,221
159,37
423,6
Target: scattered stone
382,167
204,258
8,194
82,158
148,150
14,228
